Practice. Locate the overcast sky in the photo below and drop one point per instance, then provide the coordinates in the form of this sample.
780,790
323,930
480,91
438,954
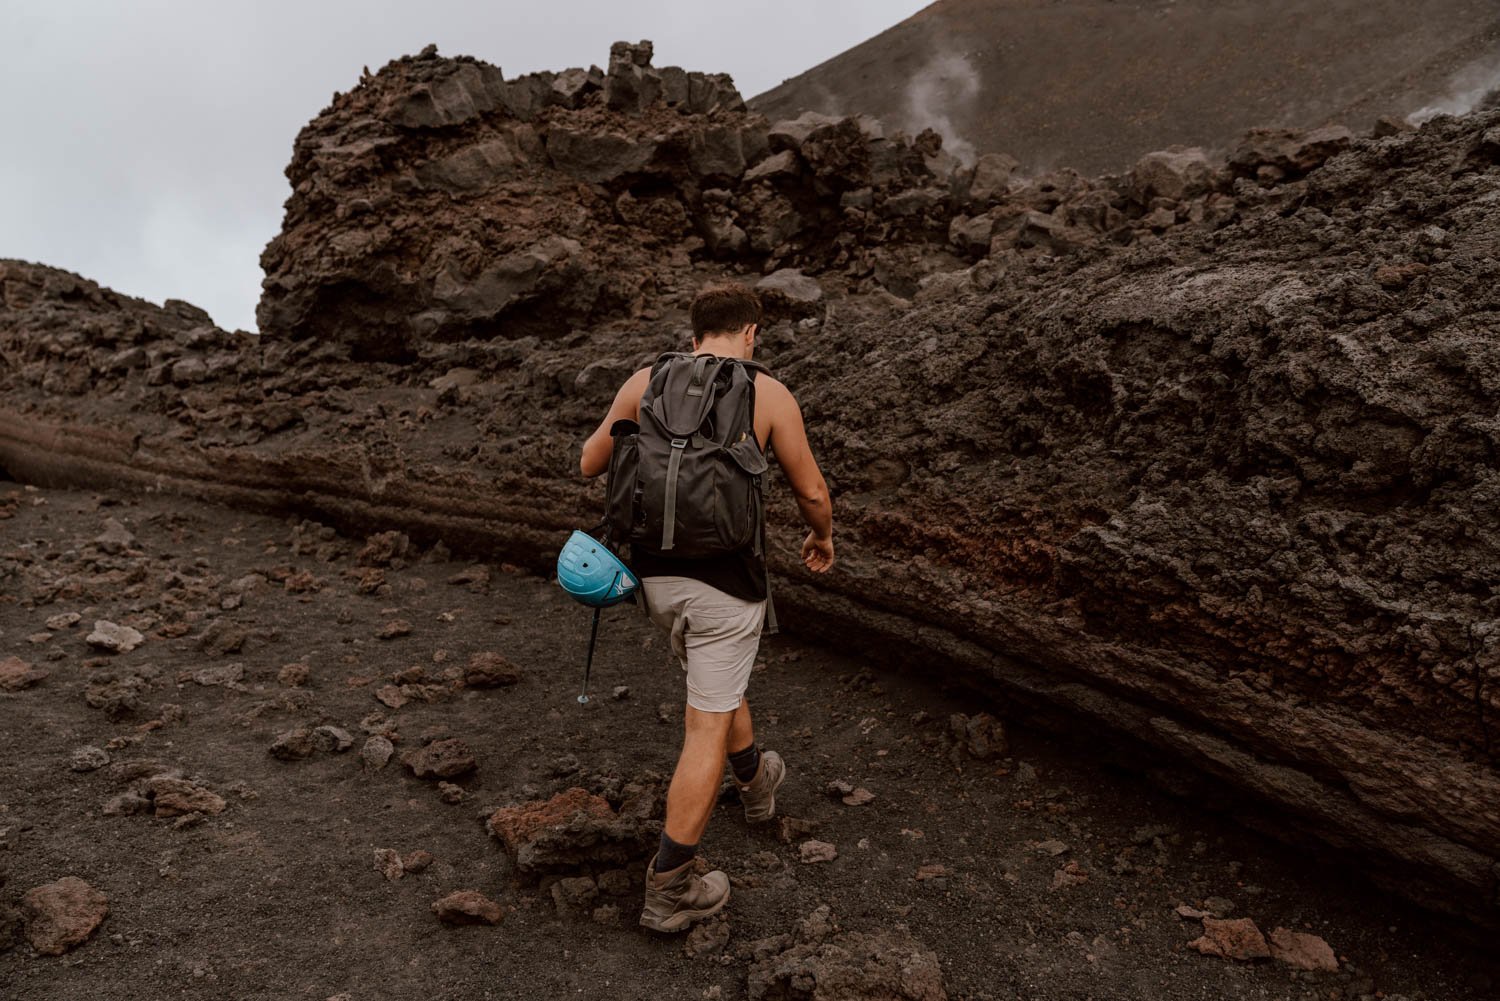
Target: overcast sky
144,141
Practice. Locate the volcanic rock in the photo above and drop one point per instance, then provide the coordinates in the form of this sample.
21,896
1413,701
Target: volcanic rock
88,759
980,736
376,752
441,759
16,674
793,285
490,670
571,829
1303,950
219,674
62,915
1217,489
1231,938
1175,173
388,863
884,964
332,739
817,851
1291,152
171,797
114,638
574,893
293,745
117,695
467,907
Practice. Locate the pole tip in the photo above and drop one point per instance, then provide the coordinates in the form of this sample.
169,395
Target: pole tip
583,700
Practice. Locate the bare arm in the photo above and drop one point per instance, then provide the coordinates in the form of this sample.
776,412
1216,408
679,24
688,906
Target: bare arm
627,405
789,440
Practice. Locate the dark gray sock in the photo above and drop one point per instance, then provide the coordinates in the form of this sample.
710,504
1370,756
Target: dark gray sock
670,854
745,763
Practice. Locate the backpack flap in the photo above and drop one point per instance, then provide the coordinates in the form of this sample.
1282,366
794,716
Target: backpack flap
700,465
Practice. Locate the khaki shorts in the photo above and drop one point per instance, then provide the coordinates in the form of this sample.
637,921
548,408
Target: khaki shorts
714,635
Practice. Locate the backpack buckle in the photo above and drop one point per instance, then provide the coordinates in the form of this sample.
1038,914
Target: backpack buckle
679,443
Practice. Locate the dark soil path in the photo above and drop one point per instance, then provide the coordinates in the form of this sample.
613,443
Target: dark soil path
1058,877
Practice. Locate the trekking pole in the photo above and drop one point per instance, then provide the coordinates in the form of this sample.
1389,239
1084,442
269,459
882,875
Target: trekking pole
589,663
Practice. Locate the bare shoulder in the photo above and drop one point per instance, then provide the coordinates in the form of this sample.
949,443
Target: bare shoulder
635,386
770,392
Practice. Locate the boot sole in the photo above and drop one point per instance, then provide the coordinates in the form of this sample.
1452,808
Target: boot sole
680,921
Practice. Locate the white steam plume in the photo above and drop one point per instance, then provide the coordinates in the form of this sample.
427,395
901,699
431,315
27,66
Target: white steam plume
1470,85
946,84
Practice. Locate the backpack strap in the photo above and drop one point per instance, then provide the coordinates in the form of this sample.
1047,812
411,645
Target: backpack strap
669,513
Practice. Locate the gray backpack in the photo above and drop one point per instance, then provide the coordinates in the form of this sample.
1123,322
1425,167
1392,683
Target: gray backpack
688,481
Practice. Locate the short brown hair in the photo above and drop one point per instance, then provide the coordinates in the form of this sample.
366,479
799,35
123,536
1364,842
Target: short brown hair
723,309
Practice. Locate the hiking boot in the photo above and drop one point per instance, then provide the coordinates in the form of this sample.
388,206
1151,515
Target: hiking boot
759,795
677,898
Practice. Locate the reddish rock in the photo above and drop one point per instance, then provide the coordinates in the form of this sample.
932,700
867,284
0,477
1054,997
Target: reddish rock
441,759
294,675
381,549
573,828
817,851
16,674
61,915
392,696
1303,950
292,745
393,629
173,796
417,860
1231,938
389,864
1071,874
467,907
490,670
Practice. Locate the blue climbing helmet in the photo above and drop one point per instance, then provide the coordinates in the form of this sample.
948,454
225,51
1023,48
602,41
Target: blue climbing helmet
591,573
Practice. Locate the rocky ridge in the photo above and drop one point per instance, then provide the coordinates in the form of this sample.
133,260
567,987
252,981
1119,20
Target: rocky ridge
1203,454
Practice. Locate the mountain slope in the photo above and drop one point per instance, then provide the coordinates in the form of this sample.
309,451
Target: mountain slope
1092,85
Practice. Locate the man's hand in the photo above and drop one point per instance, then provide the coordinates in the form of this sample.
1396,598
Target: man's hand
817,553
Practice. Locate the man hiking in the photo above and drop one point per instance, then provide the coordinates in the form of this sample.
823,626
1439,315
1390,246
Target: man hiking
713,608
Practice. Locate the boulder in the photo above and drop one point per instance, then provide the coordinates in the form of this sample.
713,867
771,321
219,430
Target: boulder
1293,152
571,829
1231,938
441,759
114,638
1302,950
62,915
172,797
598,157
990,179
465,91
789,135
467,907
488,669
792,285
1177,173
16,674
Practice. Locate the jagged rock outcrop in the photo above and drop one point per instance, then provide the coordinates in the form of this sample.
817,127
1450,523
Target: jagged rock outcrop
1204,455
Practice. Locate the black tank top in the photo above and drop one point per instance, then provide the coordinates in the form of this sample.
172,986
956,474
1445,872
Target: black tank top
741,573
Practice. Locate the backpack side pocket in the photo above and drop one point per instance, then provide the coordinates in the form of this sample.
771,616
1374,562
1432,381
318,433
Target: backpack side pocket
620,486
